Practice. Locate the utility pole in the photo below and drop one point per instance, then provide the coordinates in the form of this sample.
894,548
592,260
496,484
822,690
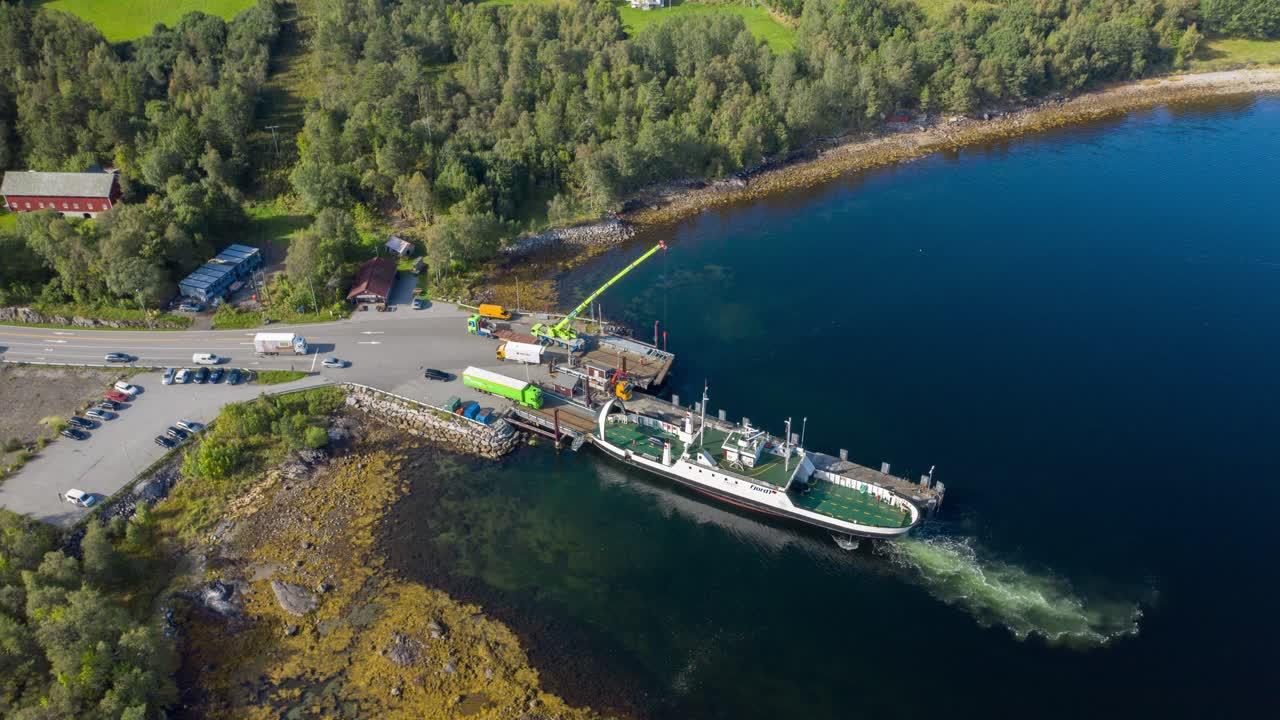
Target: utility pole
315,305
274,141
138,294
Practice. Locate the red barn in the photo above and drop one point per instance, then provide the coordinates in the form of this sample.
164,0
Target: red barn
73,194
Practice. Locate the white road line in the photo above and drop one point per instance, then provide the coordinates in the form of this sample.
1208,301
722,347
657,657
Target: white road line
368,342
372,332
59,332
313,361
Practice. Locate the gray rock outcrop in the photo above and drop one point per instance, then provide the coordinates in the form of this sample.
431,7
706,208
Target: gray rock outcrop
294,599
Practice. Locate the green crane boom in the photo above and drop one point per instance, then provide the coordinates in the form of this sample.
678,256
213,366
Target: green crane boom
563,331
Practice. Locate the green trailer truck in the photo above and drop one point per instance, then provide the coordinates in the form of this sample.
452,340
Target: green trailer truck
526,394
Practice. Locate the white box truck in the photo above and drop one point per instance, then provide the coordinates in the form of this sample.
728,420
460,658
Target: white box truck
276,343
521,352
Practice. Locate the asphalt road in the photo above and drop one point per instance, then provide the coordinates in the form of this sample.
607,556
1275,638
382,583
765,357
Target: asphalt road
386,350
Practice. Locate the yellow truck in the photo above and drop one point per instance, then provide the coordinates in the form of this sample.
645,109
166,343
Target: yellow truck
496,312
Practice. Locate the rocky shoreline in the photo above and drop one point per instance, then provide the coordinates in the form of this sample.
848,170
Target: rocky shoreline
899,142
911,140
298,614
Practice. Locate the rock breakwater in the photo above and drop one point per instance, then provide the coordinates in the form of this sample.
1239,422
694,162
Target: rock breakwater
601,234
437,426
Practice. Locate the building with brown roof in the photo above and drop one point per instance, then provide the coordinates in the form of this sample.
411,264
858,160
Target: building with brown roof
374,281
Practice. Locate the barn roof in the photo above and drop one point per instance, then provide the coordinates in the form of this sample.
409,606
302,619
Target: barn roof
57,184
375,277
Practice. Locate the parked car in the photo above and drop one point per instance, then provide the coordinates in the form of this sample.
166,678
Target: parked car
80,498
190,307
233,377
97,414
126,388
333,362
74,434
77,421
119,357
182,377
189,425
176,434
215,376
434,374
205,359
117,396
202,375
168,376
107,404
165,442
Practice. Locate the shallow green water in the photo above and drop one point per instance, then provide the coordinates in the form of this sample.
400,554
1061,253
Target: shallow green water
1079,329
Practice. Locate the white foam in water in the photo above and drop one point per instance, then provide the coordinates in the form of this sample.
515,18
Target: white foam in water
1001,594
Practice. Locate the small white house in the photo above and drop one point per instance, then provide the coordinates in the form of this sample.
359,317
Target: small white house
400,246
646,4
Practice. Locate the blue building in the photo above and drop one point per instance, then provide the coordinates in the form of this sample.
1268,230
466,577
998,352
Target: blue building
215,278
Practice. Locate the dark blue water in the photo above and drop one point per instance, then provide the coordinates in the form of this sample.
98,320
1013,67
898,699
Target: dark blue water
1079,329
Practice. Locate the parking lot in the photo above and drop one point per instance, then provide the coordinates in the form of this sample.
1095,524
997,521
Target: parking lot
118,449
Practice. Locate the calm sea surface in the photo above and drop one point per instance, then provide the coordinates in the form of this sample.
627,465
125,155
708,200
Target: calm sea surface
1081,330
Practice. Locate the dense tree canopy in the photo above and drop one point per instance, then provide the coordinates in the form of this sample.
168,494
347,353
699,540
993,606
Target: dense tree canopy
468,116
171,111
442,107
68,648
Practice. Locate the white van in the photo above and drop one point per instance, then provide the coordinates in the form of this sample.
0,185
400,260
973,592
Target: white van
205,359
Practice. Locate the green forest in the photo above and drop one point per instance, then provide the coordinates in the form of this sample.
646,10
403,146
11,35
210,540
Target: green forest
472,121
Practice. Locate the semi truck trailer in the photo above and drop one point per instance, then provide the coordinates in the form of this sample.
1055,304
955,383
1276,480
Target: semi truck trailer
520,352
276,343
525,393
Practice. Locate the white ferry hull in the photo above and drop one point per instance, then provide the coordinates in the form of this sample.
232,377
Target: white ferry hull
742,493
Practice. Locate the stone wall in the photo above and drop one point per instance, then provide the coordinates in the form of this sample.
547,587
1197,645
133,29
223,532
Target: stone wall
33,316
604,233
437,426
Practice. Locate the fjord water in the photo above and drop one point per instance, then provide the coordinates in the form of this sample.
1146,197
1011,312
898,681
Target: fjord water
1080,329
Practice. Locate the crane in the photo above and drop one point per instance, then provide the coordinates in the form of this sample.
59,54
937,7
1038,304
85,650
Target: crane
563,332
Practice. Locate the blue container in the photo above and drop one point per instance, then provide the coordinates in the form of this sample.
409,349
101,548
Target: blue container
485,416
469,412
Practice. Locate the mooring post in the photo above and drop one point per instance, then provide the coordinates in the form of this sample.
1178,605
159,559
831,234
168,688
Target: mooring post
555,416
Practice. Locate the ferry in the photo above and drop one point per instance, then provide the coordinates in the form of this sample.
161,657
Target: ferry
746,467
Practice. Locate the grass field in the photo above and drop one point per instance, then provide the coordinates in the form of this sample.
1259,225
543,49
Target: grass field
1222,53
121,20
761,24
7,219
758,20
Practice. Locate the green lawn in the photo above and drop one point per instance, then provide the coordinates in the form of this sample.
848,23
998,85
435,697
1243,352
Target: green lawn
272,225
761,24
758,20
7,220
276,377
1221,53
128,19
